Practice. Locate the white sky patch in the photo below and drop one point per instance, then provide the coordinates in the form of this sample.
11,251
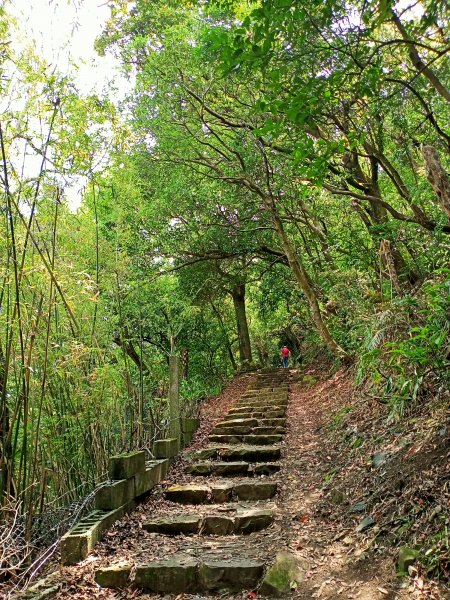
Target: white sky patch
64,32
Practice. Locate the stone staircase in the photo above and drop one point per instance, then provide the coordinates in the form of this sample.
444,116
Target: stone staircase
228,493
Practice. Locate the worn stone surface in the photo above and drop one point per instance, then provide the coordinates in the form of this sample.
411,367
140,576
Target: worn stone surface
237,430
233,416
255,490
365,524
167,448
204,454
251,453
174,525
175,575
200,469
115,577
238,423
227,469
286,569
226,439
265,468
263,440
230,574
124,466
187,494
144,482
113,495
406,558
221,492
217,525
248,521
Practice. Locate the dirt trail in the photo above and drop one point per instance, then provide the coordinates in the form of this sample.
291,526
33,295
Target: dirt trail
322,478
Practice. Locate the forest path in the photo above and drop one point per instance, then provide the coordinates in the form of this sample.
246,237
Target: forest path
335,561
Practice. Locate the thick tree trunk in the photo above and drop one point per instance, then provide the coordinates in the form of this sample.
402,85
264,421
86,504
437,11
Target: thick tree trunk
305,284
245,350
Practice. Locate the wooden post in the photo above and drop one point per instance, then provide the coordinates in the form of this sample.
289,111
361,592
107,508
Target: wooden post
174,396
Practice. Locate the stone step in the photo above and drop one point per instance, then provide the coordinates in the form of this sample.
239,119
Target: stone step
184,574
280,422
268,413
251,422
263,394
244,521
221,492
236,430
231,469
261,404
219,469
239,423
263,400
233,453
267,430
259,395
260,440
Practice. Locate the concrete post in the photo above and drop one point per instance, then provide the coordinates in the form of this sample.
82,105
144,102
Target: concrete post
174,396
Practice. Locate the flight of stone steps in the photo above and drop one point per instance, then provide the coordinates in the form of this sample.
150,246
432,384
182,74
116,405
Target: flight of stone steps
229,494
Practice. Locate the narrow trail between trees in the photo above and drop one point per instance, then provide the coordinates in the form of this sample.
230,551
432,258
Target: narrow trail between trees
253,489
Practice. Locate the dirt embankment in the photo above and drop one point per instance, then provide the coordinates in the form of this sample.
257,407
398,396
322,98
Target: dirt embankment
361,487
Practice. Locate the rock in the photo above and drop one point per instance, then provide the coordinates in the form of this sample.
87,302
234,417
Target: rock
187,494
174,575
255,490
248,521
205,454
237,430
266,468
338,497
115,577
186,524
251,453
226,439
262,440
365,524
406,558
230,468
199,469
230,574
238,423
379,459
221,492
357,508
287,569
217,525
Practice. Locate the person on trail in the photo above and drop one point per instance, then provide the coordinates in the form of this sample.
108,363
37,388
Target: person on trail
285,352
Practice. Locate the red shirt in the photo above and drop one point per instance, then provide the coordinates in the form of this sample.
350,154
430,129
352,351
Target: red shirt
285,351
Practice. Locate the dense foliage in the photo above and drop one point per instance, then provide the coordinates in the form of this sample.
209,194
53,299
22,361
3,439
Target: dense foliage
278,174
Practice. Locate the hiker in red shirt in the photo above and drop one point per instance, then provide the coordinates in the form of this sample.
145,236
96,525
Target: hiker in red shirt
285,352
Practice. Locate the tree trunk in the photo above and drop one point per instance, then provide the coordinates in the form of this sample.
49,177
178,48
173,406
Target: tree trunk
305,284
437,176
227,340
245,350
